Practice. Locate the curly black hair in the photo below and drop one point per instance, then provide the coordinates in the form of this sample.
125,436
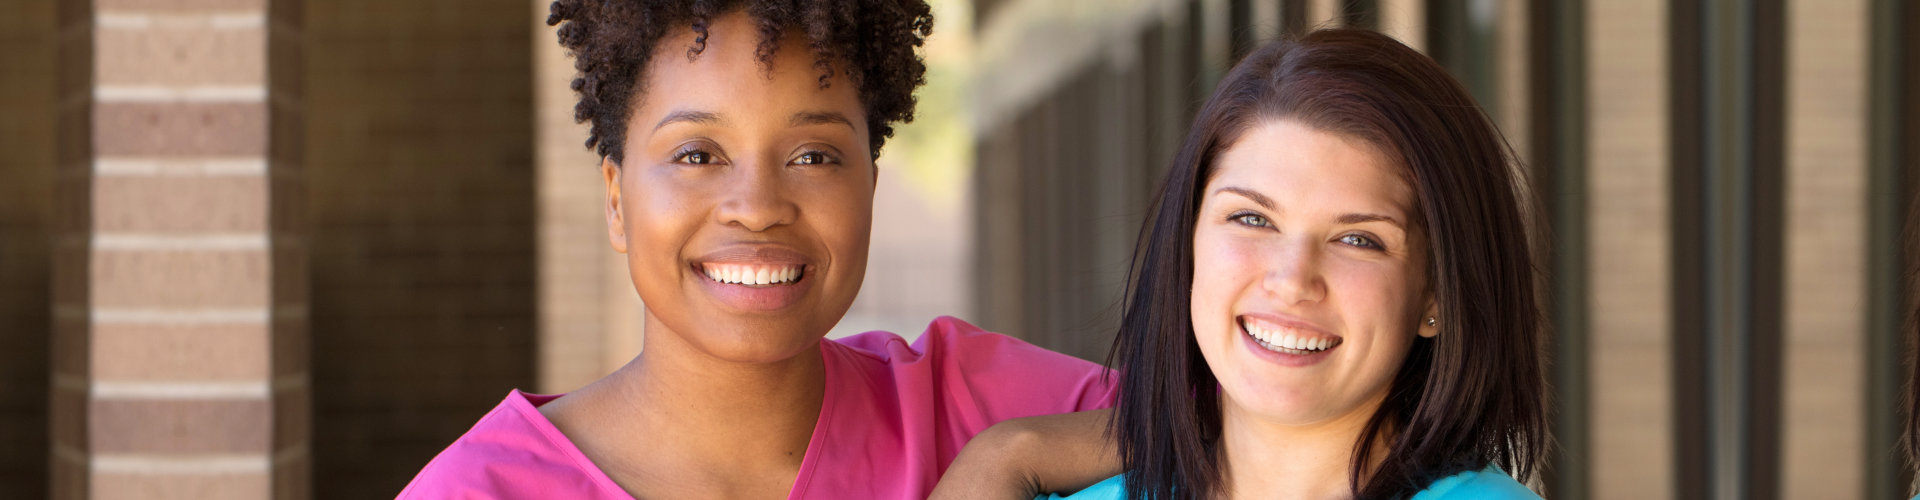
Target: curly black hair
612,40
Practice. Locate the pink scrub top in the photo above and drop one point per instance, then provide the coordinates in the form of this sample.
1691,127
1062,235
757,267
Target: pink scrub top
894,417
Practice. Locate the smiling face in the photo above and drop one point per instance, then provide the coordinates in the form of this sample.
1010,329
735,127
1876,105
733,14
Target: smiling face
745,202
1309,276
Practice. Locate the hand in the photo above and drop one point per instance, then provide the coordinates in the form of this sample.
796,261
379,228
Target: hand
1023,457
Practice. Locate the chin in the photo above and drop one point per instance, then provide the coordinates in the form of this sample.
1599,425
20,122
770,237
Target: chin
1285,404
761,344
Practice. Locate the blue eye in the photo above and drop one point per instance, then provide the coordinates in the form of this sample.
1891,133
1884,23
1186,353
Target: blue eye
1361,242
1250,219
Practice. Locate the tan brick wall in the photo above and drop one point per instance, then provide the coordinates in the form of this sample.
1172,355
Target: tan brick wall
420,157
1628,259
27,91
1406,21
590,315
1822,425
73,178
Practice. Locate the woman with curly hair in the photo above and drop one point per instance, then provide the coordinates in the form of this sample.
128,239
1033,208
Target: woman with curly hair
1333,298
738,141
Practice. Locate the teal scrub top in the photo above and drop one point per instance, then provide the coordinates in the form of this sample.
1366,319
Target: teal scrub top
1490,483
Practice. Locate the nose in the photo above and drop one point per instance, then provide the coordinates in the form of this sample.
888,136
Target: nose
755,198
1293,273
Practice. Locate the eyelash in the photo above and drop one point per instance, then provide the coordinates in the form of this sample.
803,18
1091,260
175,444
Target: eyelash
682,155
1355,240
825,158
1244,217
1364,242
685,154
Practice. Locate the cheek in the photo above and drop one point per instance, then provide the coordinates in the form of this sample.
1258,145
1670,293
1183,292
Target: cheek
1377,297
852,209
838,212
658,213
844,213
1223,268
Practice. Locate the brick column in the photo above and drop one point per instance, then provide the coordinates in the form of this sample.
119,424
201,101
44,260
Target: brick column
180,290
590,317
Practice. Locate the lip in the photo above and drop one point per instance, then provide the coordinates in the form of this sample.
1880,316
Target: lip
762,298
755,253
1287,322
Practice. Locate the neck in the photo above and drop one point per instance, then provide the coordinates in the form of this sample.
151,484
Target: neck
697,415
1266,459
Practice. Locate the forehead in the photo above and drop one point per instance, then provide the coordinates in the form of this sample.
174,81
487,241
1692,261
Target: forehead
1306,168
728,72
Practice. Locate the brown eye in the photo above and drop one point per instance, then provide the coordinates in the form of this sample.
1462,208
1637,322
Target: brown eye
693,157
813,158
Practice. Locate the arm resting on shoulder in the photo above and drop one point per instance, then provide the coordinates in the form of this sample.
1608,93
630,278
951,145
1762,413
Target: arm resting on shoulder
1023,457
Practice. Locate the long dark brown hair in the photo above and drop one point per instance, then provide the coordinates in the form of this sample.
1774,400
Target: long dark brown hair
1474,395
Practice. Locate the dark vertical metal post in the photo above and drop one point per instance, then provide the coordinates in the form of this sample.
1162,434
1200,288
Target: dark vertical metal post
1557,97
1892,157
1363,14
1464,47
1240,18
1729,105
1764,289
1686,182
1293,16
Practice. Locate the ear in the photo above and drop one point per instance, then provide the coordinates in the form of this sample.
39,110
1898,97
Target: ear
616,221
1432,312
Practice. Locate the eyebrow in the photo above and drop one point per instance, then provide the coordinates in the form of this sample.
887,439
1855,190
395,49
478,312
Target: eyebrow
804,118
1250,194
799,119
1364,218
695,117
1353,218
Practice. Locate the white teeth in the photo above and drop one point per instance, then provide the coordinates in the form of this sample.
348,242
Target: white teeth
740,274
1277,341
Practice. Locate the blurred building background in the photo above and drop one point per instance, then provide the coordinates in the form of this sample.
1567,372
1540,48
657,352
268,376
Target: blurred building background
293,248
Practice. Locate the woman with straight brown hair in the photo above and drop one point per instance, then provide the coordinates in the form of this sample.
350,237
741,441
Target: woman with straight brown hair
1333,297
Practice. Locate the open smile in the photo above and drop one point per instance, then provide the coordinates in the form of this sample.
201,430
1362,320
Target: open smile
1287,341
753,274
755,277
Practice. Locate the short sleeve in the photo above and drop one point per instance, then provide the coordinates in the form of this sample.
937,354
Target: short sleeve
913,407
1113,488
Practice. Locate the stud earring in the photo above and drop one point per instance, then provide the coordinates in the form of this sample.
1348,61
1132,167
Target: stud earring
1430,321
